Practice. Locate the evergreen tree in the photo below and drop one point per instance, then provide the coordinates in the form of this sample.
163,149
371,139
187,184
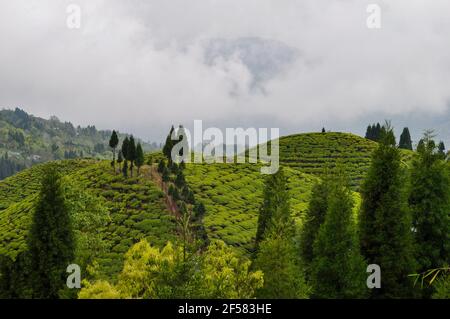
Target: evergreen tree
125,169
441,149
405,140
167,149
369,133
165,175
338,269
161,166
199,210
179,180
120,159
277,259
182,165
275,248
377,132
385,222
132,154
51,240
113,142
139,157
315,215
429,200
275,204
125,146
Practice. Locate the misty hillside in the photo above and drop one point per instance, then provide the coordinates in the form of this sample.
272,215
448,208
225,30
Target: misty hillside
26,140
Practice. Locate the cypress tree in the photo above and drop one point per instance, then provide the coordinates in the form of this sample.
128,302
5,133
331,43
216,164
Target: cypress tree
125,144
441,149
369,133
276,254
377,132
179,180
405,140
315,215
125,169
161,166
120,159
131,152
338,269
139,157
429,200
51,241
167,149
113,142
385,221
275,202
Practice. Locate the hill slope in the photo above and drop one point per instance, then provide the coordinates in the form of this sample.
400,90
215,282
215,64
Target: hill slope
26,140
130,209
314,153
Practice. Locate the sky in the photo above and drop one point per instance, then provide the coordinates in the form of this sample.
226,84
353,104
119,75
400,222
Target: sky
139,65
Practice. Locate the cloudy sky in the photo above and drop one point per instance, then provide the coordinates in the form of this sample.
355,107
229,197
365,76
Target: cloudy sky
140,66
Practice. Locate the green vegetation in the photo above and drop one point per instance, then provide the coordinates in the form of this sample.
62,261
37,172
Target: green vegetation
405,140
317,153
232,195
134,209
29,140
149,272
385,221
429,200
338,269
51,243
183,230
276,254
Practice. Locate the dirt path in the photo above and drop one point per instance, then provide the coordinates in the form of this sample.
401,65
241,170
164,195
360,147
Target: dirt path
151,172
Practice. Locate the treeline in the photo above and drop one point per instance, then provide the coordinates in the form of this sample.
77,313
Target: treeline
374,133
9,167
403,227
130,154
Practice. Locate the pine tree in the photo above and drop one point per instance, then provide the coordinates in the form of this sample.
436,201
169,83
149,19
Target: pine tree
139,157
125,169
113,142
429,200
315,215
369,133
275,204
441,149
51,240
167,149
120,159
131,152
338,269
275,249
165,175
405,140
125,145
377,132
179,180
385,222
161,166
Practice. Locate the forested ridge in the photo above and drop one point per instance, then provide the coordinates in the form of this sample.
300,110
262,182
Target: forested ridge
141,225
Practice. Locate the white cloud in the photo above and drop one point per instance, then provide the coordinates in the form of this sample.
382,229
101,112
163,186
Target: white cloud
139,65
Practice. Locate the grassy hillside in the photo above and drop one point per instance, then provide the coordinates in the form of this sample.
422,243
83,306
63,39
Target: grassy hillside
232,195
26,140
314,153
132,209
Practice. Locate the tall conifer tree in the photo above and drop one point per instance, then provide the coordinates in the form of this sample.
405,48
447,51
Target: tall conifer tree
51,240
385,221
